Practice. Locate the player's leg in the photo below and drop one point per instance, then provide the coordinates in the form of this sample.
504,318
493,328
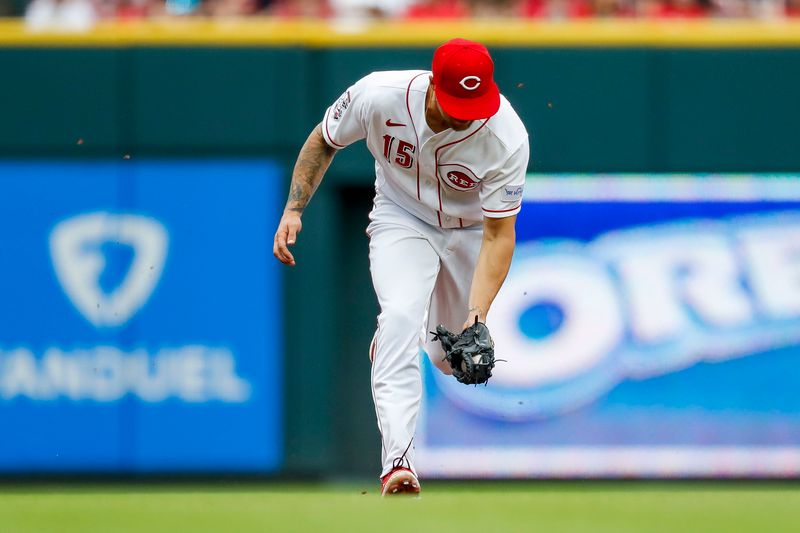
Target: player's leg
450,296
404,267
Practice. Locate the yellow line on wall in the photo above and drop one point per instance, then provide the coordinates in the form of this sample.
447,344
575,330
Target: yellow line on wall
318,34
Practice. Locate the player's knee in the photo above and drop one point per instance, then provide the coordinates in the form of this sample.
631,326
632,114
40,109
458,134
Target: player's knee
399,322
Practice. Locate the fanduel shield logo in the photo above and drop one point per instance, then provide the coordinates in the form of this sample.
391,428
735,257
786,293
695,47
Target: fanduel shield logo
107,292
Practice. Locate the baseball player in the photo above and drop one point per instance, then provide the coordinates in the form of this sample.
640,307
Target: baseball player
450,162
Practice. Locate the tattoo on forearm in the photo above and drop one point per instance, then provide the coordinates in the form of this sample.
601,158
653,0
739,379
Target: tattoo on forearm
297,194
313,160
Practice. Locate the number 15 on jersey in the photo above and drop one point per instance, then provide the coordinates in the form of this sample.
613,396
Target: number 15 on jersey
404,154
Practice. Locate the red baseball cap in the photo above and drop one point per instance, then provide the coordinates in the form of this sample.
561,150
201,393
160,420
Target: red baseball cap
463,79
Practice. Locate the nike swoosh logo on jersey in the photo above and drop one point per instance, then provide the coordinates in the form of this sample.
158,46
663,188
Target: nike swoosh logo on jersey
393,124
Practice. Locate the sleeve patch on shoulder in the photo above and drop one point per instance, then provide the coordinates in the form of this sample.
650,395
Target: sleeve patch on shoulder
511,193
341,106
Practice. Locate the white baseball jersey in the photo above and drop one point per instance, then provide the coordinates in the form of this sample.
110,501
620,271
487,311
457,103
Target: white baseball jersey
449,179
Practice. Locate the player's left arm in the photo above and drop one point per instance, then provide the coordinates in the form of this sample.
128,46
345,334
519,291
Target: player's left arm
494,260
501,200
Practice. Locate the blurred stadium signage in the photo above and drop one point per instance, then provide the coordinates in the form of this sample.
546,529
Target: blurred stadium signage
134,316
652,328
192,373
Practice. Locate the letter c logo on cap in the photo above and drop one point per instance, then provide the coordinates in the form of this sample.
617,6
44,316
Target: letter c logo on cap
470,83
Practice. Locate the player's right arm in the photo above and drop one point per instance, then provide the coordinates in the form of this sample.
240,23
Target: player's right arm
314,159
344,123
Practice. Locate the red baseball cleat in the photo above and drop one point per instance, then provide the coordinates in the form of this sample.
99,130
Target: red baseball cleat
400,481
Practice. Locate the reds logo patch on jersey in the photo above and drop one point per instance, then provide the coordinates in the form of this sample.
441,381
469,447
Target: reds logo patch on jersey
461,180
458,177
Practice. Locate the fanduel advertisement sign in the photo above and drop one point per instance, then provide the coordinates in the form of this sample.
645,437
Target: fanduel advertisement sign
139,320
651,327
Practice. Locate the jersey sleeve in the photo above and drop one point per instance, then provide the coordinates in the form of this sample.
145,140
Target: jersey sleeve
501,193
345,120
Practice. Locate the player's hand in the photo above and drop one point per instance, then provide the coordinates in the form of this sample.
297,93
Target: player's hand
288,228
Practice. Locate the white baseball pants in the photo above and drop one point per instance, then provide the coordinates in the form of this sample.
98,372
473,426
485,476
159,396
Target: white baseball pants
418,271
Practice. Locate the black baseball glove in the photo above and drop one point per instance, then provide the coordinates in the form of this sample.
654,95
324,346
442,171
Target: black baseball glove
470,354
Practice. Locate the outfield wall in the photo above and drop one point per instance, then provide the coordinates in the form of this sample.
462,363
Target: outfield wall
705,98
596,97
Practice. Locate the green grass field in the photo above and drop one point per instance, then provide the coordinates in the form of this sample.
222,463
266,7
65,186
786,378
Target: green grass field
454,507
